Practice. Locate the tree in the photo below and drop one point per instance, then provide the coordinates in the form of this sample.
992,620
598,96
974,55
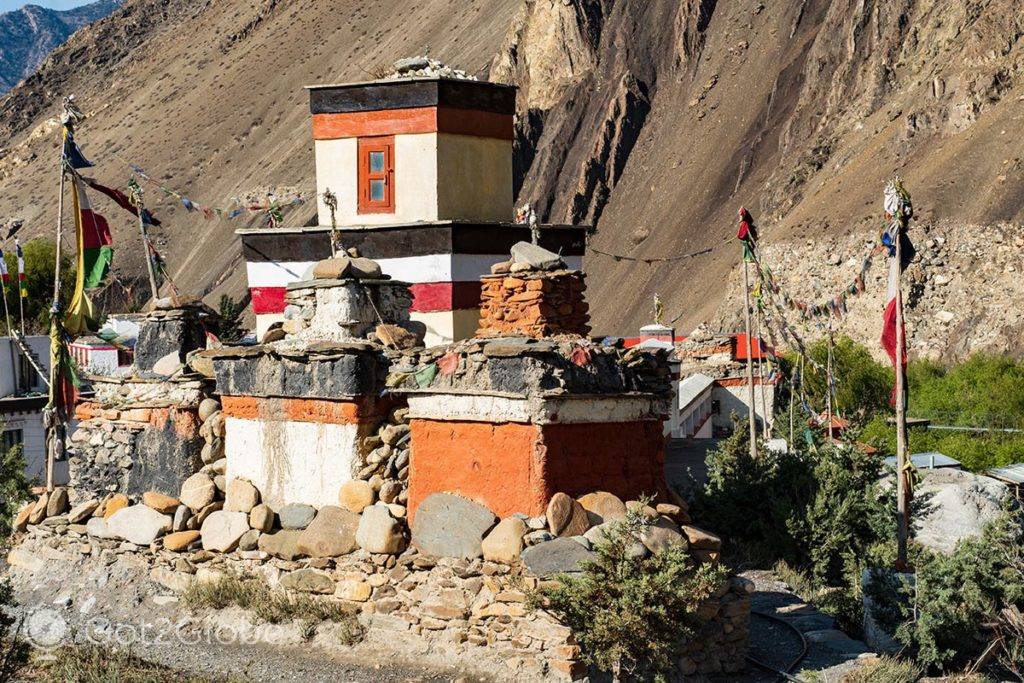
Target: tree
14,487
40,255
863,385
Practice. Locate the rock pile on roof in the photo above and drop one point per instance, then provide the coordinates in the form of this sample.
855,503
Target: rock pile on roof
528,257
425,67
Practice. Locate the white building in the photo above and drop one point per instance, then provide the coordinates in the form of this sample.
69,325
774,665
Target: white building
23,395
696,405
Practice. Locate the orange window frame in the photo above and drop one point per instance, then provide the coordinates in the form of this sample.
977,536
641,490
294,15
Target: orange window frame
385,145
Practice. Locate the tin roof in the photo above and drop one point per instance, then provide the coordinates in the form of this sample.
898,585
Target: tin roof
927,461
1013,474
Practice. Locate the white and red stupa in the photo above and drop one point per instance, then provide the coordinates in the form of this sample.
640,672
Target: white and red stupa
422,172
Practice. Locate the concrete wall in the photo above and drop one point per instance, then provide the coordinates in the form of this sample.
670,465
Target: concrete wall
733,398
34,444
696,418
10,364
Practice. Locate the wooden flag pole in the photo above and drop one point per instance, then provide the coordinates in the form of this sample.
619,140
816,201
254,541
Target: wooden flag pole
751,416
55,440
136,199
828,380
902,473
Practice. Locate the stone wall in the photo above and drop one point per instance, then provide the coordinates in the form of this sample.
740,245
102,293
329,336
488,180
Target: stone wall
339,310
534,303
172,330
457,578
137,436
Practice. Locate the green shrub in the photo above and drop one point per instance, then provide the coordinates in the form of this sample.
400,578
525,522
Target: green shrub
630,613
14,487
949,615
976,451
863,385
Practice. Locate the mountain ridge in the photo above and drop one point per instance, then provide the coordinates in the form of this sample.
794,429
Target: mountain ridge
654,120
30,33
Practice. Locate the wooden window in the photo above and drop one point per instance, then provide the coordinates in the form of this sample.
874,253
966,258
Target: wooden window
377,174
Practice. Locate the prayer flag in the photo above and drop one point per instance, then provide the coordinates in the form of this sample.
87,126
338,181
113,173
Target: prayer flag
5,277
95,253
72,154
122,200
22,284
898,211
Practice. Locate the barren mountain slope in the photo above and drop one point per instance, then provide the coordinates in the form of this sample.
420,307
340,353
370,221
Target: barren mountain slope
669,116
208,97
653,119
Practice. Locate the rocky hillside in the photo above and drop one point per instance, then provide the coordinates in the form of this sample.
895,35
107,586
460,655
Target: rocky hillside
29,34
654,120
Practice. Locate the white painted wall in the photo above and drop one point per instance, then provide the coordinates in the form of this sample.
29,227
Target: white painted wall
34,444
734,399
291,462
10,356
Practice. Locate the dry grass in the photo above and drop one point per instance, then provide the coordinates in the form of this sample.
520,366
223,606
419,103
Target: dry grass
273,606
885,670
94,664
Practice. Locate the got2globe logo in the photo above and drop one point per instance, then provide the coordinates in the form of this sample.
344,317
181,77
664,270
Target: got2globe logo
45,628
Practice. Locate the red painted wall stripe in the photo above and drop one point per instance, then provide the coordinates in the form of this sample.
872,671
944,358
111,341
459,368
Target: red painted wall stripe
267,300
427,297
413,120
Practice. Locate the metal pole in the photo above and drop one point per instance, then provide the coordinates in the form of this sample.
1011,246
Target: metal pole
760,376
792,394
902,483
751,417
21,299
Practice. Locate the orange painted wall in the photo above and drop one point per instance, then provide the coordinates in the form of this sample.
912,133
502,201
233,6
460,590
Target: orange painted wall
300,409
513,467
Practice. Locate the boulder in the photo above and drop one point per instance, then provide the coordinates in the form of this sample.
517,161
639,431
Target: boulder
355,495
379,532
241,496
162,503
207,407
536,257
559,512
181,517
261,518
221,530
362,267
168,365
82,511
198,491
116,502
180,540
330,534
332,269
138,524
396,337
603,507
701,539
353,590
661,534
447,525
21,519
677,513
562,555
58,502
283,544
579,522
296,515
97,527
308,581
392,434
38,512
390,491
505,542
250,540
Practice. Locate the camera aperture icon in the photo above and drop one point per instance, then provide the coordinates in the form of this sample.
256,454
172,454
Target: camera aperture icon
45,628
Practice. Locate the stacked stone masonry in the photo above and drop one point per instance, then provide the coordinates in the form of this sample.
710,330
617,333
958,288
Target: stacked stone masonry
458,577
534,303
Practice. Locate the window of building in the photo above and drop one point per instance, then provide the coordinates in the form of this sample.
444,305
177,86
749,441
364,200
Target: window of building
27,377
10,438
377,174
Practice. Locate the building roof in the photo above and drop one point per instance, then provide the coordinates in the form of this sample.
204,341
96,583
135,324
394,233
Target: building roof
928,460
1012,474
691,388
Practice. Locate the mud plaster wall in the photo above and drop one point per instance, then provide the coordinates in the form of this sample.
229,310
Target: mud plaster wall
296,450
514,467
